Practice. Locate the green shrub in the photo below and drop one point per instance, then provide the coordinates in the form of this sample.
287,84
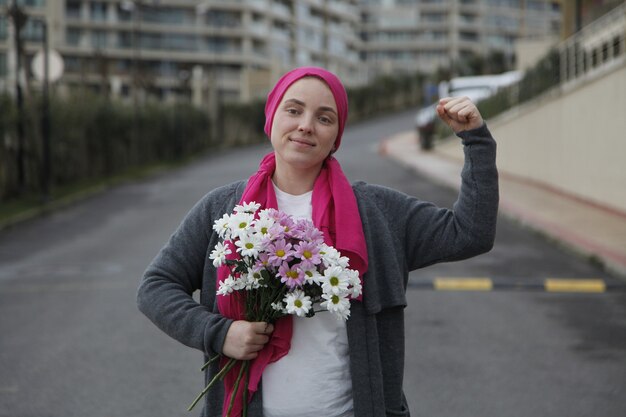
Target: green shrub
94,137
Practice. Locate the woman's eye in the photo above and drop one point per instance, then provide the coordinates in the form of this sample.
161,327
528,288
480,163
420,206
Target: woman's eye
325,119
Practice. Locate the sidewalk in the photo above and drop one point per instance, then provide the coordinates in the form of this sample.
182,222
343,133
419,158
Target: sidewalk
589,229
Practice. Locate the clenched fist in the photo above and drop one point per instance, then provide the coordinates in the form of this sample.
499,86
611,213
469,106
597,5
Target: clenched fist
459,113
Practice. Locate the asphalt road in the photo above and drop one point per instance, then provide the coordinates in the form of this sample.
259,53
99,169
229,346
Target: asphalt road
73,343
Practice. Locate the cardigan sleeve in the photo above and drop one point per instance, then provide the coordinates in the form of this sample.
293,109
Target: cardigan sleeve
468,229
417,233
179,269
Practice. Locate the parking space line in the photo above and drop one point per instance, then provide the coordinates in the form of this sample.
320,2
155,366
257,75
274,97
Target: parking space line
463,284
574,285
553,285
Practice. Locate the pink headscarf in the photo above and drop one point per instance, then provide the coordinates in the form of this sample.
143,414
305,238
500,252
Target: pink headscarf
332,81
335,213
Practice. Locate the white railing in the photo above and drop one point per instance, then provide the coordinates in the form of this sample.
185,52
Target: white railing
595,48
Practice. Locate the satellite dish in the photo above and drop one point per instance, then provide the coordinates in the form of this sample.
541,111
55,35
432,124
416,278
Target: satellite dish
55,65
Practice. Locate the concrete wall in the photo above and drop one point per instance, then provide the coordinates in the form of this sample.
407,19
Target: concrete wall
574,141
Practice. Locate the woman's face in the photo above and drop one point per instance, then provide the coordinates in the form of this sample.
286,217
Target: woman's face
305,125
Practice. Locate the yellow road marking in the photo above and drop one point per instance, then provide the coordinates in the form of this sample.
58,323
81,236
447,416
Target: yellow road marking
463,284
574,285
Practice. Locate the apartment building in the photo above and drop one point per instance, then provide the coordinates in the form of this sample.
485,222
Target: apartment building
423,35
230,50
201,50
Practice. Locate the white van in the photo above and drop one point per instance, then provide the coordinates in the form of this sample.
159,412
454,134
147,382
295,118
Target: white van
476,88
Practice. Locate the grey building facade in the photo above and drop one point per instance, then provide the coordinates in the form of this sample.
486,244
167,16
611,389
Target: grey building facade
233,50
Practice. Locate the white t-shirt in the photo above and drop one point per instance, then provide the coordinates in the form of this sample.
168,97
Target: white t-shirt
313,379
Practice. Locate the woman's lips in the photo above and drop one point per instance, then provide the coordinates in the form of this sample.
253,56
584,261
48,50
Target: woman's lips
302,141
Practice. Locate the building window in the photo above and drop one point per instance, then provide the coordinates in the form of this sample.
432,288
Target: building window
99,39
167,41
281,54
98,11
33,30
124,14
219,18
434,17
3,64
123,65
72,64
3,28
73,36
468,36
125,40
536,5
72,9
27,3
166,15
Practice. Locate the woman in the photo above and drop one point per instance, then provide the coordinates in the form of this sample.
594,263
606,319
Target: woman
325,368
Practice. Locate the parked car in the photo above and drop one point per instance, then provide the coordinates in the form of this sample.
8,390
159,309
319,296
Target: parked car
476,88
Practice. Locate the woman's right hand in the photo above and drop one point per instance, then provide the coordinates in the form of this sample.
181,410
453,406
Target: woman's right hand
245,339
460,113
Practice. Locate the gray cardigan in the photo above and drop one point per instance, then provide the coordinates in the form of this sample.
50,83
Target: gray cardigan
402,232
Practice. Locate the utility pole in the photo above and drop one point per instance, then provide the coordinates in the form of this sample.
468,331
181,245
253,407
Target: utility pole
19,20
579,16
46,171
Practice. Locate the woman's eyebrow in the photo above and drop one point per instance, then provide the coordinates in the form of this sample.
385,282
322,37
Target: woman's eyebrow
295,101
326,108
301,103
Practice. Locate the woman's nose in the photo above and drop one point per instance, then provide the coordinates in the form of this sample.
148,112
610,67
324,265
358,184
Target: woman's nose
306,125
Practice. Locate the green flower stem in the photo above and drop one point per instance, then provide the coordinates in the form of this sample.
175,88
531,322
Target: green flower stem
244,367
276,296
211,360
231,362
245,392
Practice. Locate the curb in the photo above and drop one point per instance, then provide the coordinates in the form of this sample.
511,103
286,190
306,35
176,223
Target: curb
445,171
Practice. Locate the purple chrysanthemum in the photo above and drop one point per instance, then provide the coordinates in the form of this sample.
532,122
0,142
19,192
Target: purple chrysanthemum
308,252
292,276
279,251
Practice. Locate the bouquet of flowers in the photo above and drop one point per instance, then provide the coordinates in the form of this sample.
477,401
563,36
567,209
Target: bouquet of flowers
278,266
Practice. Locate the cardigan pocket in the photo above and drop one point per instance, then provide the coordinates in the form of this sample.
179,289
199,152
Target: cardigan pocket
399,413
383,288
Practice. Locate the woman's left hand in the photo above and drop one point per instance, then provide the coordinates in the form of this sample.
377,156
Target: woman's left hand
459,113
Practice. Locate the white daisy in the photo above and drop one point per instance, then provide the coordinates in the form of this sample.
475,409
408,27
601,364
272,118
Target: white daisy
226,286
336,304
343,261
278,307
221,227
253,280
219,254
335,281
263,226
355,282
311,275
248,245
330,255
240,283
250,207
297,303
240,223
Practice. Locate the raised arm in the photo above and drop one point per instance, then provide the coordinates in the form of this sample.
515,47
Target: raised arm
437,235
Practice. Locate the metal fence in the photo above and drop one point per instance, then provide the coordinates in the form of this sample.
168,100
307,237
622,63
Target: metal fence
594,49
590,53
